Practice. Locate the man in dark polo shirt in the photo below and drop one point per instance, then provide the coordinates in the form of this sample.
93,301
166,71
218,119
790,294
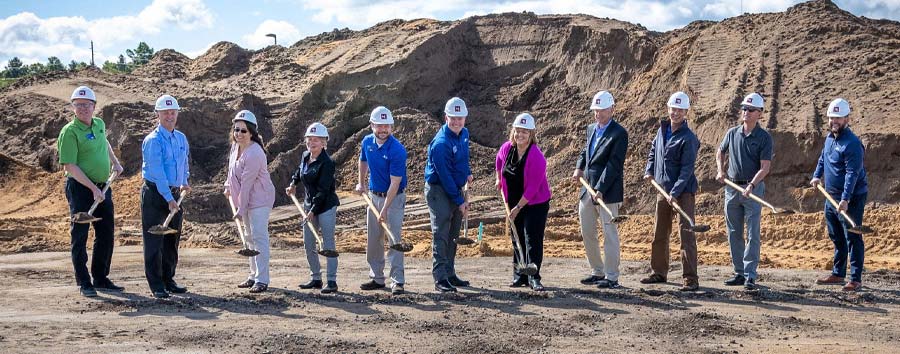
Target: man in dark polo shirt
748,150
86,156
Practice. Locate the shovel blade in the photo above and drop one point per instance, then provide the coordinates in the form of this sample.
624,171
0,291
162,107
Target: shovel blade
402,247
329,253
782,211
530,269
619,219
161,230
861,229
698,228
246,252
464,241
84,218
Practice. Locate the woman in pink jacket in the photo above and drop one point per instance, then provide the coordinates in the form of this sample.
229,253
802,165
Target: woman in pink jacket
522,176
250,188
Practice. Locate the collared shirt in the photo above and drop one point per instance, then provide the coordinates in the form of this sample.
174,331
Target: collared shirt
165,164
384,161
85,147
249,183
448,162
598,132
746,152
319,185
672,162
841,165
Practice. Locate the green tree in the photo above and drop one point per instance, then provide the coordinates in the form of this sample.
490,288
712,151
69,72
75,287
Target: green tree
14,68
140,55
54,64
73,66
36,69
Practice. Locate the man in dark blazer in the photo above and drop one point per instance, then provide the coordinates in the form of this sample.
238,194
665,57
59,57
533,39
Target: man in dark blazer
601,163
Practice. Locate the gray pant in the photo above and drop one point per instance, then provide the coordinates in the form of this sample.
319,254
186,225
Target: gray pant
738,211
446,219
377,236
325,223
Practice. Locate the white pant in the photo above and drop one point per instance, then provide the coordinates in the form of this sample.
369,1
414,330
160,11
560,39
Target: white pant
588,213
258,229
376,237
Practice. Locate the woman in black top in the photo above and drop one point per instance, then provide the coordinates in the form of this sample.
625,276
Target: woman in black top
316,172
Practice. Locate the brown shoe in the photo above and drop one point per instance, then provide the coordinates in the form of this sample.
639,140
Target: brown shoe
653,278
246,284
690,285
831,279
853,286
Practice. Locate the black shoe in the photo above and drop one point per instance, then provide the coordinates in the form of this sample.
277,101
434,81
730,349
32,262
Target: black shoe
536,285
456,281
750,284
259,287
160,294
312,284
371,285
88,291
737,280
175,288
519,282
444,286
608,284
592,280
331,287
397,289
246,284
108,286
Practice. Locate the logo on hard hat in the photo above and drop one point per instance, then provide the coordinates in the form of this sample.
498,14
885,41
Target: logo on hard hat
242,115
312,130
750,100
523,121
168,102
836,109
598,101
82,93
456,108
678,101
383,116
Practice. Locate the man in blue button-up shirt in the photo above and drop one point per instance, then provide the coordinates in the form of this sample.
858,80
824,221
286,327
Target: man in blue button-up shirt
841,166
446,172
165,171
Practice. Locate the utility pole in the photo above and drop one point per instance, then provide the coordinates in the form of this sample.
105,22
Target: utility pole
92,53
273,37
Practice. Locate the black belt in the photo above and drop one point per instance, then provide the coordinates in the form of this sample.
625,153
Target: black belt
740,182
174,190
384,194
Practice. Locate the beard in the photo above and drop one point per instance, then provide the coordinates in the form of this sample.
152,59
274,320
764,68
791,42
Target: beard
837,129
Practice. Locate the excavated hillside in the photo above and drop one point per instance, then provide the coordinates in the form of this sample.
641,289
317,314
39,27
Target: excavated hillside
501,65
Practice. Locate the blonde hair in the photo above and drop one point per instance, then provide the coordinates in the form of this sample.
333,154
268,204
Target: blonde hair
532,137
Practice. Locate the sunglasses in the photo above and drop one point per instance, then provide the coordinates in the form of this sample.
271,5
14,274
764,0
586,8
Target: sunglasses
239,130
750,109
82,105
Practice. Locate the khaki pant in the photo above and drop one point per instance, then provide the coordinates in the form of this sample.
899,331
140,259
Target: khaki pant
589,213
659,258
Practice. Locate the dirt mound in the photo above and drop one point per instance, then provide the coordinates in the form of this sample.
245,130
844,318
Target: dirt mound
222,60
165,64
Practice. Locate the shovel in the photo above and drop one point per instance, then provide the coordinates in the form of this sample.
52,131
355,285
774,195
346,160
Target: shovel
246,251
615,219
775,211
521,267
464,239
164,229
857,229
395,244
326,253
88,217
694,227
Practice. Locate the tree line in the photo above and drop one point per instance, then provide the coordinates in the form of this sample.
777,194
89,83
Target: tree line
139,56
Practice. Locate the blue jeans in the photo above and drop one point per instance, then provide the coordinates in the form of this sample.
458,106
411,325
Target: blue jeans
325,222
740,210
446,220
847,242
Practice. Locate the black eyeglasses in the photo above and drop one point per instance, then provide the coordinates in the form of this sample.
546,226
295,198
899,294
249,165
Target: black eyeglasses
750,109
239,130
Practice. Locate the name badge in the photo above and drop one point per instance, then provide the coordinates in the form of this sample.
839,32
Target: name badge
90,136
454,149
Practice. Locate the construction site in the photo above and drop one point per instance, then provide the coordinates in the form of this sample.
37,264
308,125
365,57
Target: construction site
501,65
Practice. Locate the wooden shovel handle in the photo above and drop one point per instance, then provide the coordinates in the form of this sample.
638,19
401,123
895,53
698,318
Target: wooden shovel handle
674,205
835,204
594,195
303,213
752,196
375,212
109,181
172,213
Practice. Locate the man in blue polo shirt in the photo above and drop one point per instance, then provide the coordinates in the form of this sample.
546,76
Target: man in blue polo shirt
446,172
382,159
165,171
841,167
748,150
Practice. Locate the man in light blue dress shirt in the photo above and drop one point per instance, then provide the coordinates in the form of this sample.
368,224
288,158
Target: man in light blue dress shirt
165,170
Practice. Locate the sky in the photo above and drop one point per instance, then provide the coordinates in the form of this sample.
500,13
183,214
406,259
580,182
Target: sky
35,30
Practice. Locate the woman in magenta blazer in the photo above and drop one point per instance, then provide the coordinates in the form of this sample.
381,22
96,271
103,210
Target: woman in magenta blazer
251,190
522,176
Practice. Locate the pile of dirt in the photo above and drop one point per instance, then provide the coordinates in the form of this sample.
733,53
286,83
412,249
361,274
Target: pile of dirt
222,60
165,64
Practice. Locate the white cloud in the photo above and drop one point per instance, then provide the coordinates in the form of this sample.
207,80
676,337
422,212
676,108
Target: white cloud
33,39
286,32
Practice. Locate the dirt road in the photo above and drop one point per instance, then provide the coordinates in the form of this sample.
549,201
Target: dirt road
42,311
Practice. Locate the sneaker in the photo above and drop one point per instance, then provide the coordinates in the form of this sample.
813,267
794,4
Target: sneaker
397,289
88,291
750,284
608,284
853,286
371,285
653,278
246,284
736,280
592,279
831,279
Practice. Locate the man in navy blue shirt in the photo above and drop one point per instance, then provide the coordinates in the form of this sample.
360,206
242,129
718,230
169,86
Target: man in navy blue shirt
841,167
165,170
671,163
446,172
382,159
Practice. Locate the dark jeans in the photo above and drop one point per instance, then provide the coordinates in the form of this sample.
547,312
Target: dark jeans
530,225
847,242
80,199
160,251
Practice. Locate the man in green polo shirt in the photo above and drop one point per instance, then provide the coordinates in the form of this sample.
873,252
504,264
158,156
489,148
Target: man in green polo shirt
88,159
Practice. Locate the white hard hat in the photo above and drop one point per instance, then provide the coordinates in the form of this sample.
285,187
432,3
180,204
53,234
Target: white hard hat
166,102
838,108
456,107
316,129
246,116
525,121
679,100
753,100
84,93
602,100
381,115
